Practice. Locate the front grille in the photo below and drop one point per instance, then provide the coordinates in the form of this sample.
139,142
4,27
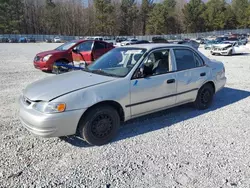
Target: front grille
37,58
217,49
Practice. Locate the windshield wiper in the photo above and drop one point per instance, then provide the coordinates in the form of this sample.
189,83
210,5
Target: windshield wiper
99,71
86,69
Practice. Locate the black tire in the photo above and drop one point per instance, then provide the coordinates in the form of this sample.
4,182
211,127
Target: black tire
230,52
204,97
106,118
47,71
60,70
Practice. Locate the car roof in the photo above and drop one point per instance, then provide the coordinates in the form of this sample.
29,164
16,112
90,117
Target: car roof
86,40
154,46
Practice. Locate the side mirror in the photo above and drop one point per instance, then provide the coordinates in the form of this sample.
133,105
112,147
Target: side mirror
144,72
147,71
75,50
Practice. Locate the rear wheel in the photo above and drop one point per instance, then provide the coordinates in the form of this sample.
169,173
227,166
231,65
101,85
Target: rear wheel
100,125
204,97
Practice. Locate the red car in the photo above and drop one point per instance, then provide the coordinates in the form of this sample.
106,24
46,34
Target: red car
71,51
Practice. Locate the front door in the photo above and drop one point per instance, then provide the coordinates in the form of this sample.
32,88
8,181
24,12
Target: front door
155,92
238,49
191,74
85,55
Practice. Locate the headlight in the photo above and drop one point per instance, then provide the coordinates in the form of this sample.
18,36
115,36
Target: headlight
49,108
46,58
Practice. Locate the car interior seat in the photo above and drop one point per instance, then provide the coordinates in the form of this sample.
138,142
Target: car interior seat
162,65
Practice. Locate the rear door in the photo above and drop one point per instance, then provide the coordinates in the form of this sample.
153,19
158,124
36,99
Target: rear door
191,74
99,49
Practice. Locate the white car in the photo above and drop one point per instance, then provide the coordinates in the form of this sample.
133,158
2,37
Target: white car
129,42
57,39
125,83
95,38
228,49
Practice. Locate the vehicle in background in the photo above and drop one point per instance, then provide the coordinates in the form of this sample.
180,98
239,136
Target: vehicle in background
72,51
57,40
95,38
48,40
244,40
142,42
201,40
4,40
13,40
227,48
209,44
221,39
120,39
125,83
129,42
192,43
159,40
22,40
31,40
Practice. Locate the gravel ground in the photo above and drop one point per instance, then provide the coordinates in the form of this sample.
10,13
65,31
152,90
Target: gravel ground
179,147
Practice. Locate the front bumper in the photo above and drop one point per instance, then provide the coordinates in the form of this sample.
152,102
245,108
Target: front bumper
41,65
49,125
220,52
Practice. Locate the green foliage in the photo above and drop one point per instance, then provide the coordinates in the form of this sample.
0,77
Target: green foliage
146,7
105,21
162,18
214,14
11,16
121,17
129,13
240,8
193,19
156,20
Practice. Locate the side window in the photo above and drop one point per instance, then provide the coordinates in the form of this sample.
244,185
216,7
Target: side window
158,62
85,46
186,59
99,45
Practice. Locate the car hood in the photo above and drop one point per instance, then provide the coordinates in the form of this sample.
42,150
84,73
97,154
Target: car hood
42,54
58,85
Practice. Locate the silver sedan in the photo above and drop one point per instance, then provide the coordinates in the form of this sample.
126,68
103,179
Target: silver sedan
125,83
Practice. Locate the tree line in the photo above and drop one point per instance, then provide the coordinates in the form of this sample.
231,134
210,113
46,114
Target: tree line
121,17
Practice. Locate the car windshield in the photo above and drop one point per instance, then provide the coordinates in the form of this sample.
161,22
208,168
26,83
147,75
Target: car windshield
117,62
66,46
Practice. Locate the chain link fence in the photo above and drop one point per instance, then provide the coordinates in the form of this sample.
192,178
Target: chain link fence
43,38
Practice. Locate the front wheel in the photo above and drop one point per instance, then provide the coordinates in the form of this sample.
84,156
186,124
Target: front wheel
100,125
230,52
204,97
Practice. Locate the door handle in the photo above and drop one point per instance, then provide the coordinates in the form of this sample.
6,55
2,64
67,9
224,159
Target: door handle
171,81
203,74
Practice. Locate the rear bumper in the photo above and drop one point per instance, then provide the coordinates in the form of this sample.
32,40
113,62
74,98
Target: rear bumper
221,84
